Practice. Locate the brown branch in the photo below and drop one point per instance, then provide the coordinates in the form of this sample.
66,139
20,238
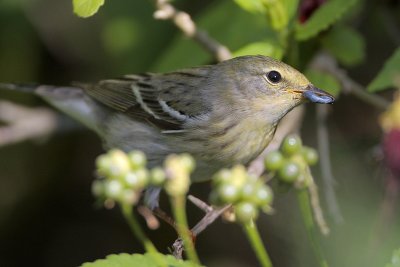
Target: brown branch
166,11
327,63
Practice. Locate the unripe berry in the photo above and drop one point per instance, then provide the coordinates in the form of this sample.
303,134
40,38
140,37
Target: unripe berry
98,188
103,164
310,155
263,196
222,177
187,162
120,163
246,211
136,179
157,176
291,145
274,161
137,159
289,172
228,193
113,189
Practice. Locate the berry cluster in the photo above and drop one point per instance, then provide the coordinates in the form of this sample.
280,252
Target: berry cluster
247,193
291,161
123,176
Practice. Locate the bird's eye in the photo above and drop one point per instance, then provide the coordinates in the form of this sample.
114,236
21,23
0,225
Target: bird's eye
274,76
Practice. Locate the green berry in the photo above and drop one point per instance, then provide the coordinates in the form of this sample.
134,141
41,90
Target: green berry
157,176
98,188
113,189
263,196
228,193
119,164
222,177
239,176
291,145
103,164
289,172
137,159
246,211
310,155
248,191
274,161
137,179
129,196
188,162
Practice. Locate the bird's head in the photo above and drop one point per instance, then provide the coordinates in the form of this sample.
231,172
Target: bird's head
268,86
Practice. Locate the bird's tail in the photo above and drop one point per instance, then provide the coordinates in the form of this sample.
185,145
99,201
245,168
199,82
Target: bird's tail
22,87
69,99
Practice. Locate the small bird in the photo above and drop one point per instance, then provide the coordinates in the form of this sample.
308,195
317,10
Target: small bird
221,114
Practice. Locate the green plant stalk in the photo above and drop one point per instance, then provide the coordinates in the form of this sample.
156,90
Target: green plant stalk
140,235
178,204
308,219
255,240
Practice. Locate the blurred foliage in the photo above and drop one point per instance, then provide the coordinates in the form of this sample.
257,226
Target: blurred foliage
395,261
46,210
138,260
325,16
388,74
346,44
323,80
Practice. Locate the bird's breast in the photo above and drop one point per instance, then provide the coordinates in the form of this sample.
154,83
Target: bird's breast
233,141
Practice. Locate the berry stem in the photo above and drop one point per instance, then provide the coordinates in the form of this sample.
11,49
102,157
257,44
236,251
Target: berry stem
140,235
308,219
178,203
255,240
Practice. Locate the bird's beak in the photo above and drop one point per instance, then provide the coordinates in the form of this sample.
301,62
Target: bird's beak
316,95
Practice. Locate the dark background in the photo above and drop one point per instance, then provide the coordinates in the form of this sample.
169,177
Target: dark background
47,214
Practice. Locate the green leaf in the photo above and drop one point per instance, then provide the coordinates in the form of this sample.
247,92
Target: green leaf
265,48
277,12
291,7
146,260
387,75
346,44
323,17
242,28
252,6
324,81
86,8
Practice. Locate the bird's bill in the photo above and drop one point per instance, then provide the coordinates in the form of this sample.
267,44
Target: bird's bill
317,95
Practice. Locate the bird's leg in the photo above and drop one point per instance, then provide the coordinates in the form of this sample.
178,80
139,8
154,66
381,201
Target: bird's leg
165,217
211,215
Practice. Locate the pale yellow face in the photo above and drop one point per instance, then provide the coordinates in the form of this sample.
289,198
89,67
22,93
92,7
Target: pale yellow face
267,87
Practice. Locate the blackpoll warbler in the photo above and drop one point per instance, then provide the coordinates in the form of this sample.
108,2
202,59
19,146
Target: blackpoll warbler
221,114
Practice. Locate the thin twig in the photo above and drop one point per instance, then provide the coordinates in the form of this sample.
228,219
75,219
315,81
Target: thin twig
211,215
200,203
325,163
316,207
166,11
325,62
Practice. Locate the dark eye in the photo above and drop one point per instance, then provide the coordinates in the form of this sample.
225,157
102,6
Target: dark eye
274,76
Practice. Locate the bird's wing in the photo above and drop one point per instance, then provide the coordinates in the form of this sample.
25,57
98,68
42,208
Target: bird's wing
166,100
